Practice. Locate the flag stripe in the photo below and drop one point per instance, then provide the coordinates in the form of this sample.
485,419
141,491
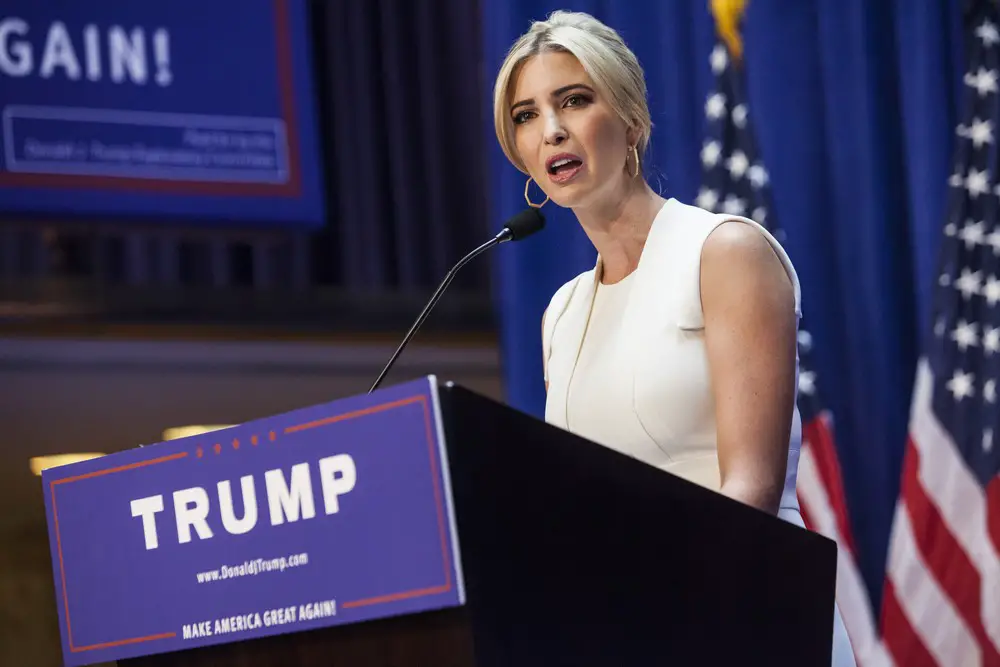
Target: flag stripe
923,604
959,498
901,640
947,562
991,591
819,436
945,558
852,597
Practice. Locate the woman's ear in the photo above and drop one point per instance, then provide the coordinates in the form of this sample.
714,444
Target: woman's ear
632,135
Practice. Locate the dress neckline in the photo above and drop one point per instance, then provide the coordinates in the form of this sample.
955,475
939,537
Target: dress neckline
621,284
599,264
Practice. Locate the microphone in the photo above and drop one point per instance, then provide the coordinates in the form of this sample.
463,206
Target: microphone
519,227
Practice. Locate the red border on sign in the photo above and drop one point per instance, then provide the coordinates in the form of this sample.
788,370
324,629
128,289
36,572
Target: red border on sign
292,188
379,599
432,455
62,568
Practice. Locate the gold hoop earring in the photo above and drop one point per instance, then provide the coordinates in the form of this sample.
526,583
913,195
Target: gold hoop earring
635,152
528,198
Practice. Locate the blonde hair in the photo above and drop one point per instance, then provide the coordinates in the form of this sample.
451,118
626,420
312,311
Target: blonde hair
610,63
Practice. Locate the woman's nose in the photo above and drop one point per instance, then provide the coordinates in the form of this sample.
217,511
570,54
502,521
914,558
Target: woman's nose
555,133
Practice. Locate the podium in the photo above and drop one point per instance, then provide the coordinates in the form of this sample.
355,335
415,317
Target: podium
422,525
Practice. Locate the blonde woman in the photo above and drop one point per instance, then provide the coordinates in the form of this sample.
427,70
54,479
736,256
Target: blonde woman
679,347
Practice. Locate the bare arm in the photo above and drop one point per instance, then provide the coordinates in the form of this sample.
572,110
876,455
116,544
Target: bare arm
750,337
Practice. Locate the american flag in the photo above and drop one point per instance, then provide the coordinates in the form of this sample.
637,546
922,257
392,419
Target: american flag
736,182
941,604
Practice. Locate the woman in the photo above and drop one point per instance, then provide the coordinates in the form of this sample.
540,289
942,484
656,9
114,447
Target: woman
679,347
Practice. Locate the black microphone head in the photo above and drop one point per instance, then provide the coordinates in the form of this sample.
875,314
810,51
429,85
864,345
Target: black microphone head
525,223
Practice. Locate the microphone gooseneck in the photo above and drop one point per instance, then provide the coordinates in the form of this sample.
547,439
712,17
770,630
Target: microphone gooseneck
519,227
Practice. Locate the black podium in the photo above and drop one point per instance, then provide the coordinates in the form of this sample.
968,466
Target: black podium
573,554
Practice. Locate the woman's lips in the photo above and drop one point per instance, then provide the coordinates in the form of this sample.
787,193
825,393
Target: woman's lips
566,174
563,167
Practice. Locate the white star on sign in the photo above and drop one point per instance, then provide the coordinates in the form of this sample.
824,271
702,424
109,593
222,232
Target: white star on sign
992,290
757,175
805,340
991,340
984,81
715,106
988,440
759,215
719,59
969,283
956,180
987,33
977,182
737,164
960,385
990,391
710,153
707,199
964,335
944,280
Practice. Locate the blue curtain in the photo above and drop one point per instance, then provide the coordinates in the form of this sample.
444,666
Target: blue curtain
400,109
855,104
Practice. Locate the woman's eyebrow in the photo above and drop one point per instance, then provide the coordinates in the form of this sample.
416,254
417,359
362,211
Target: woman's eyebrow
555,93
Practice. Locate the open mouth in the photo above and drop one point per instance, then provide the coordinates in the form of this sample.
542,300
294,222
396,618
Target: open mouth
564,166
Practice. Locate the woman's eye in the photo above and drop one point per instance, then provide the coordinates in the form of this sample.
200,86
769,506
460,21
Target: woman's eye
575,100
522,117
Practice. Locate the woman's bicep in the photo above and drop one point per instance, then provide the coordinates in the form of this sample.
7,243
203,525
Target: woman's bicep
750,337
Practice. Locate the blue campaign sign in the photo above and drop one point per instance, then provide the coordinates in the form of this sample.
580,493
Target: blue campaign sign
332,514
180,109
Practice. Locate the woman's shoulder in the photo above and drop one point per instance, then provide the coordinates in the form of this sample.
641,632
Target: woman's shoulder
694,241
741,246
723,232
698,223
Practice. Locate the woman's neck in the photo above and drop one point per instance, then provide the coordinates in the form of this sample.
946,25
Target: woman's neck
618,229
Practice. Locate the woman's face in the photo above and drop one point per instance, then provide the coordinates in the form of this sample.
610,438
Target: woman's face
568,137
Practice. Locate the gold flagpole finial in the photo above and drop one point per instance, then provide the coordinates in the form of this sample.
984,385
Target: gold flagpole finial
728,14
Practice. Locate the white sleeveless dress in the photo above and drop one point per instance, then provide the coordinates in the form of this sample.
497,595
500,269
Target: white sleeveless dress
626,364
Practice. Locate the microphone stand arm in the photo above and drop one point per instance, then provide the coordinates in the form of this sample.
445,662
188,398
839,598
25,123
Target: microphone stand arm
503,236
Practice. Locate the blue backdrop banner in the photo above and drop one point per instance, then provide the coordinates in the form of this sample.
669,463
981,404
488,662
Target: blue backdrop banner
143,110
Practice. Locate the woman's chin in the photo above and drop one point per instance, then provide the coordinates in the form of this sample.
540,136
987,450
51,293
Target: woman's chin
571,195
573,198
